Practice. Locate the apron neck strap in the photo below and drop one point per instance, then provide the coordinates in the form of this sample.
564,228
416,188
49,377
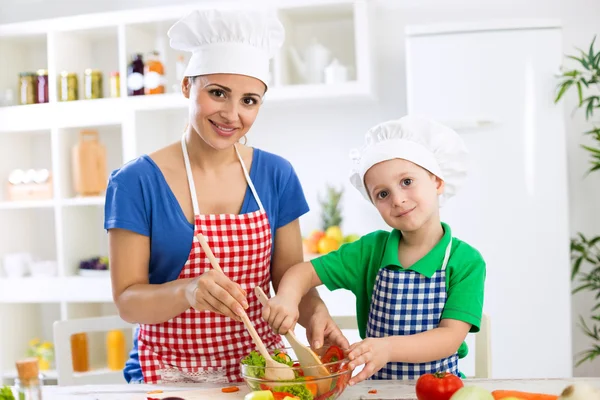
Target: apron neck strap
190,177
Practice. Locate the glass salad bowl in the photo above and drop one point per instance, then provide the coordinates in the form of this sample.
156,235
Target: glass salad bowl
304,386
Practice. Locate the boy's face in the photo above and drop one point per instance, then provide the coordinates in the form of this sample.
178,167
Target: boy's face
405,194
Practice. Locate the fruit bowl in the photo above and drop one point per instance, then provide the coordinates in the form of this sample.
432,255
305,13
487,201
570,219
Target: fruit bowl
305,386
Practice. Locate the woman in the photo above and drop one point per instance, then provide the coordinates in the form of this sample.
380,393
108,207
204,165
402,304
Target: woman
244,201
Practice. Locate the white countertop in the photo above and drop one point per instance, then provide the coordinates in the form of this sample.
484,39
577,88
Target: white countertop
385,389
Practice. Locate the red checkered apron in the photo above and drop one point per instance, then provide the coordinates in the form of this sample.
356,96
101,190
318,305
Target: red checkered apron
203,346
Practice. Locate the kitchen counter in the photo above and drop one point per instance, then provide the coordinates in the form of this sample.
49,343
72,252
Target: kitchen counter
403,390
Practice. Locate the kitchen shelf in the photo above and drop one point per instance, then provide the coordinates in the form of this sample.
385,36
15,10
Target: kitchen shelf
55,290
16,205
83,201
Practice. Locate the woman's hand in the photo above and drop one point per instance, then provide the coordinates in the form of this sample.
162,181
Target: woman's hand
321,329
213,291
281,312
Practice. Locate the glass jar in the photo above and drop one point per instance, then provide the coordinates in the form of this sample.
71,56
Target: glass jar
93,84
115,84
27,88
80,352
68,89
28,384
154,75
42,86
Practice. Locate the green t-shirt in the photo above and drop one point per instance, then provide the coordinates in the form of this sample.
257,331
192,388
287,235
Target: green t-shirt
354,266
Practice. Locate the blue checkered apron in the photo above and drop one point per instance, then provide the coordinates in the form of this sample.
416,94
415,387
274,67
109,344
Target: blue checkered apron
405,302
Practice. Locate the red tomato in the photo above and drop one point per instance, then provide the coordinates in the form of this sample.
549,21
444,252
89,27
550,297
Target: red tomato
438,386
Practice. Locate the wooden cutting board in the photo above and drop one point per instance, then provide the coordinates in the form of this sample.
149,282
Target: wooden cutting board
202,394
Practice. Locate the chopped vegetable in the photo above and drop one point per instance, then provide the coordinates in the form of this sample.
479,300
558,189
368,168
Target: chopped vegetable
373,391
580,391
502,394
6,393
260,395
283,396
311,386
300,391
230,389
255,359
155,391
472,393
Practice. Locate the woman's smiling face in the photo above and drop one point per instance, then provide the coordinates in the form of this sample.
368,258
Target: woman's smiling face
223,107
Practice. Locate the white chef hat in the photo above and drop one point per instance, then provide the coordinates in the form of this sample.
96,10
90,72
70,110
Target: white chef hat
427,143
228,41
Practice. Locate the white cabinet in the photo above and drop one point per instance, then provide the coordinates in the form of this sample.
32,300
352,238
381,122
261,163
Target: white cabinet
67,228
495,84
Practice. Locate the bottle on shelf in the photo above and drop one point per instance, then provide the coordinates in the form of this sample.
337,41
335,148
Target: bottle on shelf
115,350
80,352
135,76
154,75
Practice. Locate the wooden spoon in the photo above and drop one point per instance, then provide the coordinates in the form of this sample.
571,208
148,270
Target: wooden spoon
275,371
309,361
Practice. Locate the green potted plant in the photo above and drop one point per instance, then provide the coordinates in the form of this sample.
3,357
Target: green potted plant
585,251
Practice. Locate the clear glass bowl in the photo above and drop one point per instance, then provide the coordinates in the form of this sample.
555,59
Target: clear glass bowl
306,387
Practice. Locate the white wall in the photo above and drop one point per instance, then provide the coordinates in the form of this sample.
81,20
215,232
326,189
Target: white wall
326,133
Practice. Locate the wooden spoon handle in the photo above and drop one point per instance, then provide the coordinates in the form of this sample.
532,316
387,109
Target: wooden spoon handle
215,264
209,253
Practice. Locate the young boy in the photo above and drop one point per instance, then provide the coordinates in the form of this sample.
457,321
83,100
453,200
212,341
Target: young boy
419,291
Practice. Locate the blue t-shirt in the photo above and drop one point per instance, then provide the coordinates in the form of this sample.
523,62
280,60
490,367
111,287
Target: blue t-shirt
139,199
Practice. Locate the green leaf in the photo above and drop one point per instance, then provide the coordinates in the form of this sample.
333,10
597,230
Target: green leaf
572,74
576,267
591,149
591,55
581,61
563,88
582,287
579,92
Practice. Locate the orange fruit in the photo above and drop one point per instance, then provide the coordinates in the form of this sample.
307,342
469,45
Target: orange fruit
327,244
310,245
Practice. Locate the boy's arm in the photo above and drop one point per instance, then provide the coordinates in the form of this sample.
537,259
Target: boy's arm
427,346
282,312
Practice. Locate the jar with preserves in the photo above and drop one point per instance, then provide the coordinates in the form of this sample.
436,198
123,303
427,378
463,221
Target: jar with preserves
115,84
154,75
93,84
27,88
68,88
42,86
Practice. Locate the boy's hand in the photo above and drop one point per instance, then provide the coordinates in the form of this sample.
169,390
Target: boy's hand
281,312
373,352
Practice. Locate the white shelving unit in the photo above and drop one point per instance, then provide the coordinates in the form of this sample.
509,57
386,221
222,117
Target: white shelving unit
67,228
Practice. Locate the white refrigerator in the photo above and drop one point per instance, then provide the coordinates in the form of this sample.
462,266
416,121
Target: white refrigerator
494,82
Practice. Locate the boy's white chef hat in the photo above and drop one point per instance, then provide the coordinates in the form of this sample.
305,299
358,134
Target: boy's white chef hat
427,143
228,41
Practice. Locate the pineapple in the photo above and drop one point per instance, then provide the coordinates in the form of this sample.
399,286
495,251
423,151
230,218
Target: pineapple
331,213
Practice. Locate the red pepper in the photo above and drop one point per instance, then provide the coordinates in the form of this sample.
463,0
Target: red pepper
297,366
332,354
